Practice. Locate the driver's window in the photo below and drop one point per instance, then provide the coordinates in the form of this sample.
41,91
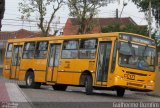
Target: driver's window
124,53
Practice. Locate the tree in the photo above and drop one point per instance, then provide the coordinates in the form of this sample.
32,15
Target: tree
2,9
28,7
84,11
118,27
144,4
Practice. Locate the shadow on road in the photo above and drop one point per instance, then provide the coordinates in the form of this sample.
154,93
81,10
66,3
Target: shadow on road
80,91
108,95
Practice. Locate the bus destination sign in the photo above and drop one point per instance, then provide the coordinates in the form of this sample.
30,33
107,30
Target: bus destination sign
138,39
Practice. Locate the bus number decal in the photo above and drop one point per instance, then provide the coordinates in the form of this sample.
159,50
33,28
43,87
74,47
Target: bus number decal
67,64
129,76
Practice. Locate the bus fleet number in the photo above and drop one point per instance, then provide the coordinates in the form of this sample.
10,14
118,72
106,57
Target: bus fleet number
129,76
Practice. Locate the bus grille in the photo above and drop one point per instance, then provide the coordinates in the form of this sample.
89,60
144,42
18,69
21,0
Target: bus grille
140,74
134,84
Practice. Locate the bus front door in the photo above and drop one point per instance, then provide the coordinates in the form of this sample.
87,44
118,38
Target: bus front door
53,62
16,57
103,63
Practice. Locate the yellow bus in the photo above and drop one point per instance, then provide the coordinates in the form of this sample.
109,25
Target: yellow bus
108,61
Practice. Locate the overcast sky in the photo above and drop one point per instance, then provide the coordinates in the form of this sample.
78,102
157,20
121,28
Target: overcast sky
12,18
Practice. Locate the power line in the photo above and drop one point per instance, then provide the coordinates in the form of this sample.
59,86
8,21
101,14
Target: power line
27,20
24,25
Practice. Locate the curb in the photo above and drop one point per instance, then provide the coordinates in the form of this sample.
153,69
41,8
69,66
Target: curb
153,94
28,100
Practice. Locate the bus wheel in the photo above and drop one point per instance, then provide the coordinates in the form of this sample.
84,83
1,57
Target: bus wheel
59,87
88,85
30,80
120,92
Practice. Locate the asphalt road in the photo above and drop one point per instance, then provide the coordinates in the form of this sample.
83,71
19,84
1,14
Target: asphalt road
75,97
77,94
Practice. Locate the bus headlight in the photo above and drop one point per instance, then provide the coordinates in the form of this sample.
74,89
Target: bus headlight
150,82
118,77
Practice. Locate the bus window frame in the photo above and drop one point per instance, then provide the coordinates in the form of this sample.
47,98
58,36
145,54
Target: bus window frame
49,54
96,45
9,51
29,50
41,50
70,49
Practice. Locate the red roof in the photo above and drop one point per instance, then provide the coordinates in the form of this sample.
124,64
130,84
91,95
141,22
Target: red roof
72,26
18,34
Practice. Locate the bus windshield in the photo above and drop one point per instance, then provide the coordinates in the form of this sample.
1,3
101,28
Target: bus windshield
137,56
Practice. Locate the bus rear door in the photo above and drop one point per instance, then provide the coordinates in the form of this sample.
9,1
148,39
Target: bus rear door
53,62
16,58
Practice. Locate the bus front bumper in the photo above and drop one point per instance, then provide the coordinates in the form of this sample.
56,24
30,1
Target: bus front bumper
135,85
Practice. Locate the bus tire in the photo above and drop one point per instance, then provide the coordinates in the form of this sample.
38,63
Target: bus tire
59,87
120,92
88,85
30,80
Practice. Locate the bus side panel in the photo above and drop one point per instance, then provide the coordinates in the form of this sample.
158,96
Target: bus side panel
7,68
39,76
22,75
73,68
37,65
68,78
6,74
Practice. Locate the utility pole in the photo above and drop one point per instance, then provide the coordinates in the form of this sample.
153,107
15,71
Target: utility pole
149,20
124,4
117,13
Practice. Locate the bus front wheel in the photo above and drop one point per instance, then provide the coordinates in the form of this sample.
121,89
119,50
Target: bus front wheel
88,85
120,92
59,87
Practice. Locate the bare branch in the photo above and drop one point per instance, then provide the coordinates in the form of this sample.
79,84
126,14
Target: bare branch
60,3
29,7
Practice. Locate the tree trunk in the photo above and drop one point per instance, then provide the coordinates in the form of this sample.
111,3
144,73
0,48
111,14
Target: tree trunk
2,9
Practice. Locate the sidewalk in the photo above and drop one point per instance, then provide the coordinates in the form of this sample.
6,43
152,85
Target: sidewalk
11,96
155,94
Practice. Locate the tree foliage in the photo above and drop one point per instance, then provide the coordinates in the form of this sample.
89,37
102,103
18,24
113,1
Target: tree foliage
84,11
117,27
41,7
144,6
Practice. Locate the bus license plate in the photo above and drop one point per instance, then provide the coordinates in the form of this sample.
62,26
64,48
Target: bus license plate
129,76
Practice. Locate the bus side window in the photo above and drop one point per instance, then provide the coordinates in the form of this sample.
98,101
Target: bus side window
9,51
41,49
70,49
29,48
88,48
